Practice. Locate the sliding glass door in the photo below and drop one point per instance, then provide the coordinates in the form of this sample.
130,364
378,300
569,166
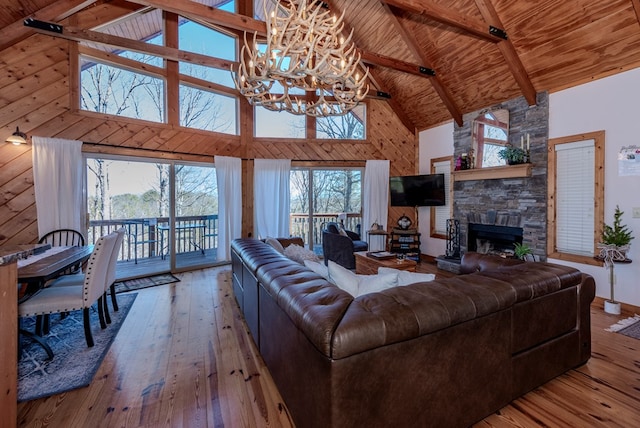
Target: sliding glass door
195,229
320,195
169,210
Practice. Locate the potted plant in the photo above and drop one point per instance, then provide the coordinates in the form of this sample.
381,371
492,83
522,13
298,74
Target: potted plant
521,250
512,154
614,245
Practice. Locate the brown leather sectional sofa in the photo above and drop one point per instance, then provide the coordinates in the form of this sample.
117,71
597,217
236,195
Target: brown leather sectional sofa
445,353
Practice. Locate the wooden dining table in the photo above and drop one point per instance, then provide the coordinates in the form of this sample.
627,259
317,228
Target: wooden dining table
33,276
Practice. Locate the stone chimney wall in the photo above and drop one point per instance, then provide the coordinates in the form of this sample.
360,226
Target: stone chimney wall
510,198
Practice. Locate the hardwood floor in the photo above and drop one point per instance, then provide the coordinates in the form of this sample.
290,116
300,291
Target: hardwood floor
184,358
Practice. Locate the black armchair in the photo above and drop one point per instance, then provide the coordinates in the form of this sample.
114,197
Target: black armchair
339,247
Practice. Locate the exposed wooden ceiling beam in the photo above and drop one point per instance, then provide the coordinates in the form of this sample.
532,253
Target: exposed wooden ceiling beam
212,15
446,16
375,78
396,64
636,8
82,35
436,83
393,102
509,53
56,11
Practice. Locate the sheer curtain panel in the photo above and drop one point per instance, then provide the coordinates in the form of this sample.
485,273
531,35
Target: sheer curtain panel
57,180
375,200
229,177
272,197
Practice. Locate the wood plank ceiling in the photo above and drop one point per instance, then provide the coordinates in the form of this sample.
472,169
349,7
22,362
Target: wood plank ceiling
550,45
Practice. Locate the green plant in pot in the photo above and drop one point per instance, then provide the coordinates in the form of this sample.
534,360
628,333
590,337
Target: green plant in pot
615,242
521,250
512,155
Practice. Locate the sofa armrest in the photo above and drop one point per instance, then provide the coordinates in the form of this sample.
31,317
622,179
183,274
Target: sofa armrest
338,248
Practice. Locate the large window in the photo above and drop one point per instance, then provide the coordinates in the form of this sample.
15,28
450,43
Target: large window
319,195
576,196
136,85
118,91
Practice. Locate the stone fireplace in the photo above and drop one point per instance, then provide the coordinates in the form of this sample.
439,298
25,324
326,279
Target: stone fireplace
513,209
493,239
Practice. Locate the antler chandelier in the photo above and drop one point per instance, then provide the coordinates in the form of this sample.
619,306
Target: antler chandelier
305,52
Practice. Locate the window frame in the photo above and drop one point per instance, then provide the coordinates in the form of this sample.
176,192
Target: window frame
170,76
552,204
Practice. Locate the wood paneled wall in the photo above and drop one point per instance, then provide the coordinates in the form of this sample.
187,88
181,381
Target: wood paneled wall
35,93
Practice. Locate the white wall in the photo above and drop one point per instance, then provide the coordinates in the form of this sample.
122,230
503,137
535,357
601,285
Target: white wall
433,143
611,104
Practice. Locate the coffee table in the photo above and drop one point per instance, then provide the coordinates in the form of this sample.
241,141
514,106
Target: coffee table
366,265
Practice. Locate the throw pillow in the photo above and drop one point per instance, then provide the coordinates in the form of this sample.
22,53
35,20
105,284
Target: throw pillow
406,277
373,283
300,254
318,268
343,278
341,230
275,244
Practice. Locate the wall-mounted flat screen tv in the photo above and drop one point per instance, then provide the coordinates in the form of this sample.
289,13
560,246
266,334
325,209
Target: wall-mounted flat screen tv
417,190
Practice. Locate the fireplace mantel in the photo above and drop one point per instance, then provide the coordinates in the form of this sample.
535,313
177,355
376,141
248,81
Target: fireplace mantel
508,171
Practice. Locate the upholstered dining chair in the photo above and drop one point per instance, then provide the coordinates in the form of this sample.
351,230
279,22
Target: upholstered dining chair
109,284
54,299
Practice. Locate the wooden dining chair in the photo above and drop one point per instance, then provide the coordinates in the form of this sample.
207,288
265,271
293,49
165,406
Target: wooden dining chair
54,299
64,238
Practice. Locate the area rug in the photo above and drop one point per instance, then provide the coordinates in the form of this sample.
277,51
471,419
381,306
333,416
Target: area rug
629,327
74,364
147,281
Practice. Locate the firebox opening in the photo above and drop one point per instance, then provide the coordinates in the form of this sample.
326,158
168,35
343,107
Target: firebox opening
492,239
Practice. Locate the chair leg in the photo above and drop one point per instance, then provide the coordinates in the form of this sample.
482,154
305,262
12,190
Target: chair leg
103,322
39,321
46,324
114,301
87,327
107,317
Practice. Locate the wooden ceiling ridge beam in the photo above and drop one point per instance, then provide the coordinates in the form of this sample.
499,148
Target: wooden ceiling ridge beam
509,53
56,11
383,93
83,35
413,46
449,17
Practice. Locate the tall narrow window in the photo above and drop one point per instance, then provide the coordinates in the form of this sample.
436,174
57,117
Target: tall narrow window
440,214
576,196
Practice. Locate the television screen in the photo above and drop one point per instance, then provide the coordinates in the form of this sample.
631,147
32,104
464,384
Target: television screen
417,190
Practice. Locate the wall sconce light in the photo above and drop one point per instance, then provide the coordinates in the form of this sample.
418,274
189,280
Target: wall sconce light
17,138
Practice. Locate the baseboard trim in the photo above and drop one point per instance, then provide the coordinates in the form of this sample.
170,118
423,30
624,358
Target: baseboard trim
627,309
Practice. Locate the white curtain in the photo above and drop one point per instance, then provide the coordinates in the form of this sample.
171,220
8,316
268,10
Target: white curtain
375,201
229,177
57,180
272,197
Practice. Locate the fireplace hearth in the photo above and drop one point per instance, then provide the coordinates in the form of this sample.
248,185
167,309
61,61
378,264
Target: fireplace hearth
493,239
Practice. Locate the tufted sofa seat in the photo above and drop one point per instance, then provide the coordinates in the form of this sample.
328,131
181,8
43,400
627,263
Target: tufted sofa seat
442,353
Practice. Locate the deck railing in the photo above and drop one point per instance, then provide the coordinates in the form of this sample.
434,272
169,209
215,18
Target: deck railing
300,225
149,237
